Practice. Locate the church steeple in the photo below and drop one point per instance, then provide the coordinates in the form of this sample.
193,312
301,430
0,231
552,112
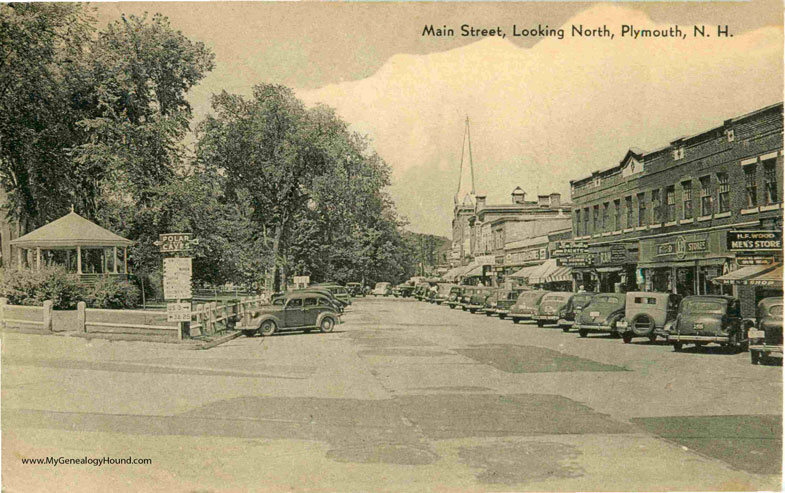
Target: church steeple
465,195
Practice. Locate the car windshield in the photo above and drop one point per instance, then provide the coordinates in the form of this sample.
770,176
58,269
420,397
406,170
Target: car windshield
607,299
702,306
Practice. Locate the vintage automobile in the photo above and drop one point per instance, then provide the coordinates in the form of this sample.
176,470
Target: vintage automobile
646,314
456,292
466,296
339,304
420,291
574,305
337,290
766,336
381,289
406,290
550,306
708,319
601,314
504,303
526,305
445,288
476,302
297,311
355,289
492,301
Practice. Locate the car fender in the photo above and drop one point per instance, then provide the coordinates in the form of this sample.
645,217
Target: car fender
269,316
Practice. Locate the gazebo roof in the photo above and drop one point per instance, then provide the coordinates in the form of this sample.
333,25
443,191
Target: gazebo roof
70,231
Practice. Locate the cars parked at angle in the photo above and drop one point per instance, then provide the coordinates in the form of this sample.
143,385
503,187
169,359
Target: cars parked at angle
337,290
405,290
572,309
355,289
646,313
445,289
765,338
340,305
708,319
382,289
305,310
476,303
466,296
601,314
526,305
501,302
550,306
456,292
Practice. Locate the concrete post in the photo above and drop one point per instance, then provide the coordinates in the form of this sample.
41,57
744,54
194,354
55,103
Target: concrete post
3,302
81,316
48,315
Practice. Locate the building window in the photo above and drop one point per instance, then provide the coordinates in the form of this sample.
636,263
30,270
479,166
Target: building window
723,192
656,206
597,224
617,216
770,181
628,201
678,153
577,223
641,209
706,206
731,135
586,221
605,208
751,182
686,195
670,204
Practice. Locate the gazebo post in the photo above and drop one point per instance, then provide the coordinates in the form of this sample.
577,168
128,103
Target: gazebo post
114,259
19,258
38,258
78,260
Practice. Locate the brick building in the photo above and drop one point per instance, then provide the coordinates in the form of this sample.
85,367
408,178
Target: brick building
659,220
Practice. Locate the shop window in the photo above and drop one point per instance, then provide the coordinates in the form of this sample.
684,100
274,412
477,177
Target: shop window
670,204
706,206
723,192
641,209
770,181
686,196
596,219
751,184
605,208
628,203
656,206
617,216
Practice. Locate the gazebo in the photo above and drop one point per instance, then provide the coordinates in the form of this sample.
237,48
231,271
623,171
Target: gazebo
96,248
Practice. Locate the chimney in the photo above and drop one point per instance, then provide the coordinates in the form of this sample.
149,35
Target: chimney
555,200
543,200
518,196
480,201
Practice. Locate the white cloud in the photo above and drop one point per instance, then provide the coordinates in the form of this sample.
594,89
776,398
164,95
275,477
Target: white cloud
575,105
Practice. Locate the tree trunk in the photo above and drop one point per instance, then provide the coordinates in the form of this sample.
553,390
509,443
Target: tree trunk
274,281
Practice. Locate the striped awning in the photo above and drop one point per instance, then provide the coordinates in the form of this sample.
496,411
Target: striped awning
561,274
525,272
754,275
473,270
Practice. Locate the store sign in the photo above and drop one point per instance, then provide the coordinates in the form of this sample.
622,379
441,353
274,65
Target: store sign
567,248
583,260
527,256
485,259
754,241
615,254
680,247
754,260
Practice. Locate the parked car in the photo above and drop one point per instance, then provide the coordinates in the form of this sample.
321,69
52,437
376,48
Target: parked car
339,303
297,311
381,289
355,289
456,293
766,336
646,314
406,290
492,301
337,290
477,299
526,305
504,301
550,306
572,309
466,296
708,319
601,314
445,288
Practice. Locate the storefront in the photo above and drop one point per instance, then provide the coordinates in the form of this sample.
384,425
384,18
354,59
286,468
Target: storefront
520,262
602,268
685,264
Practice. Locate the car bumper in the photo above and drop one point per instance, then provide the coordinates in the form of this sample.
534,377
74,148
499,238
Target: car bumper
696,338
595,328
546,318
475,307
522,315
768,350
563,322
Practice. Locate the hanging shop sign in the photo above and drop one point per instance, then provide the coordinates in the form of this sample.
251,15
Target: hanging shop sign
754,260
568,248
754,241
581,260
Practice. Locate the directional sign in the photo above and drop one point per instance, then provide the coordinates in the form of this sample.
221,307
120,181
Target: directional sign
178,312
175,242
177,278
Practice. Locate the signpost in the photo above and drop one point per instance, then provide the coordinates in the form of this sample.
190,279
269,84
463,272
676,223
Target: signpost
178,312
177,277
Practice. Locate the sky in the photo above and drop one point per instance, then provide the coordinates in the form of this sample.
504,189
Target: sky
543,111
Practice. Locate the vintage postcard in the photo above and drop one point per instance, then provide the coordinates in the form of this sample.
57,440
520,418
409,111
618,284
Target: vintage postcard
391,246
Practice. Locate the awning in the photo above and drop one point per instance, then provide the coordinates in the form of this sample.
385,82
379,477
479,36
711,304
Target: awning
754,275
539,275
684,263
454,273
473,270
525,272
561,274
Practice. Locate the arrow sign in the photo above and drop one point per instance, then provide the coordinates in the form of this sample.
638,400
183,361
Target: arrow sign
174,242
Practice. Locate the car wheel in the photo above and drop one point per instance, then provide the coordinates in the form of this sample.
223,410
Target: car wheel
583,332
488,314
677,346
653,338
565,329
755,357
515,320
249,333
472,310
327,324
502,316
452,307
267,328
626,337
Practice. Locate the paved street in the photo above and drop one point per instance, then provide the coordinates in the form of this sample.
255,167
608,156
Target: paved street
405,396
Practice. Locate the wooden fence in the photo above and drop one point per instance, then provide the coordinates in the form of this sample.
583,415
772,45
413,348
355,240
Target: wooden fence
207,318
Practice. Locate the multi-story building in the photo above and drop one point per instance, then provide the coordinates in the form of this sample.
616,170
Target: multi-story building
660,220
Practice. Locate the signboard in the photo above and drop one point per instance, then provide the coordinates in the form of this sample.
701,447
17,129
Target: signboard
754,241
681,247
584,260
175,242
302,279
567,248
754,260
485,259
177,278
178,312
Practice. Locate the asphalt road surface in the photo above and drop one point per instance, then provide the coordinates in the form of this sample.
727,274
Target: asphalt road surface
404,396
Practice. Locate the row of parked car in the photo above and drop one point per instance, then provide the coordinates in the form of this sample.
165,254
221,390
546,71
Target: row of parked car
696,320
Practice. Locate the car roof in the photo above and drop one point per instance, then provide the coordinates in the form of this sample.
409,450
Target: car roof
715,297
306,294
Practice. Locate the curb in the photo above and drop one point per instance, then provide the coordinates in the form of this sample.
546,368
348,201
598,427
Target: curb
217,342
